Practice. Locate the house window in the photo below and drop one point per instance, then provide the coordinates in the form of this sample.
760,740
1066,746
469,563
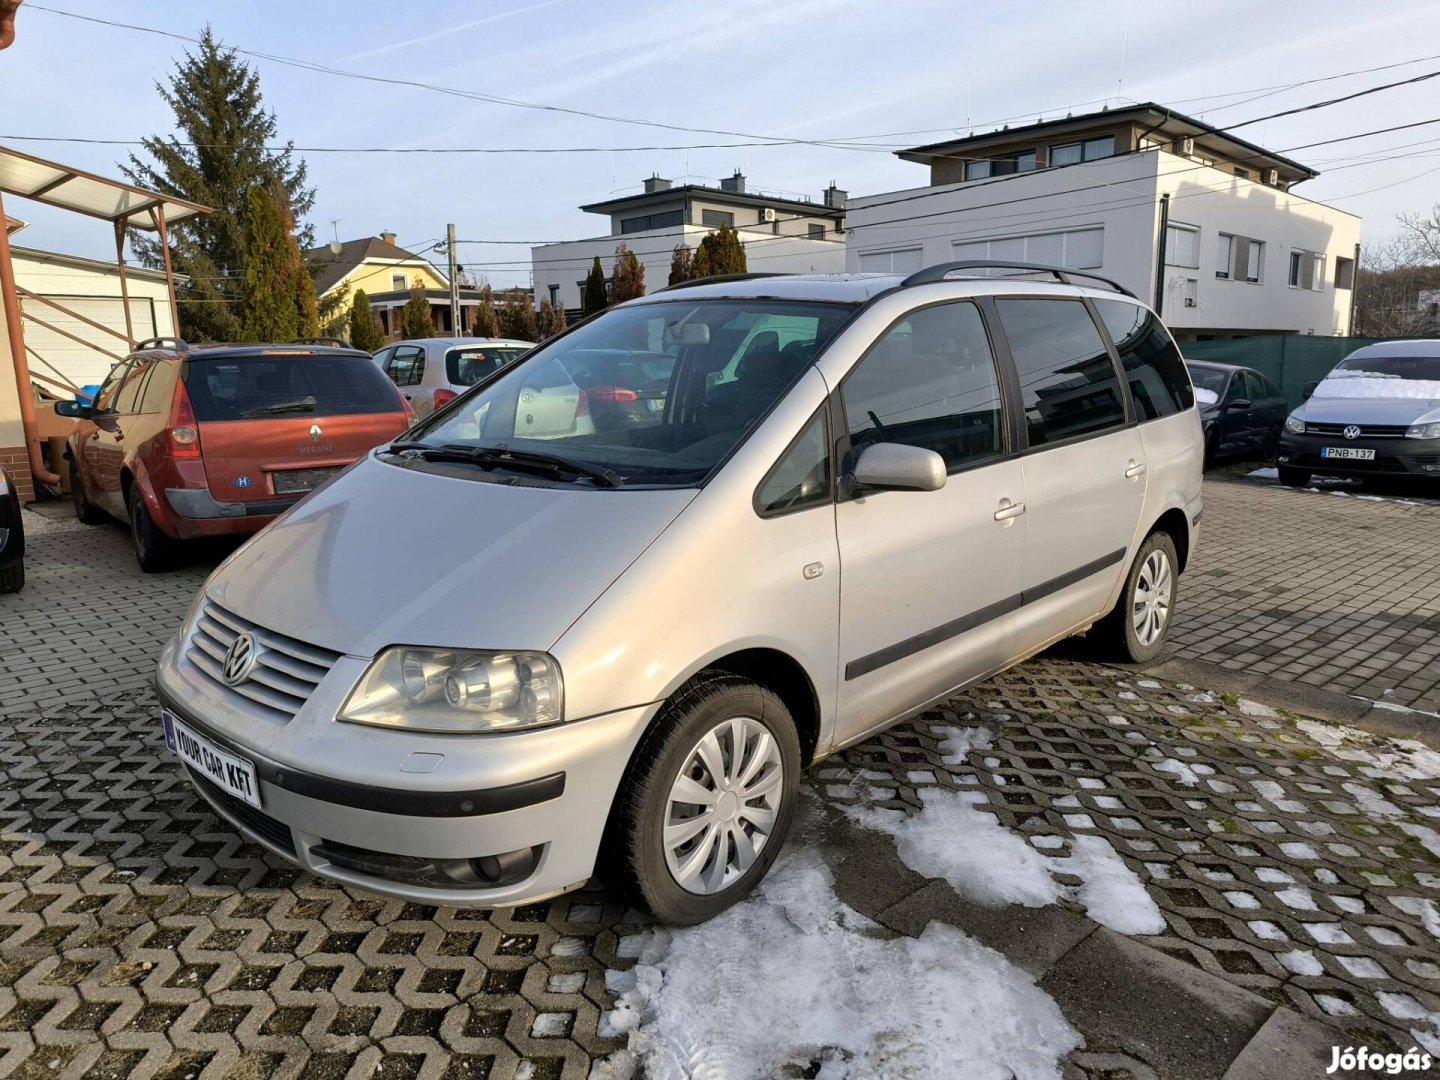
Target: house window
1023,161
816,232
1182,245
1344,272
554,295
646,222
1089,150
713,219
399,283
1079,249
1244,174
902,261
1149,142
1307,270
1239,258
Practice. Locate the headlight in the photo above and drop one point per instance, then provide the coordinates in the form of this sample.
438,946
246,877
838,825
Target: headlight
1294,425
1429,430
459,691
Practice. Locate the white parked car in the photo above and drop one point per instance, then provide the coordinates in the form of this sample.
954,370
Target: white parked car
432,372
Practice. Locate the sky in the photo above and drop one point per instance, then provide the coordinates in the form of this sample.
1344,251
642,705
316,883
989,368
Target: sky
882,75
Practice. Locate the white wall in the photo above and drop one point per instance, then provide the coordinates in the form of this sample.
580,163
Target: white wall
94,293
1121,195
567,264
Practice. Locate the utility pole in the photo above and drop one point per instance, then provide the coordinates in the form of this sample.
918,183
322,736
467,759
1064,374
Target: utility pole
456,325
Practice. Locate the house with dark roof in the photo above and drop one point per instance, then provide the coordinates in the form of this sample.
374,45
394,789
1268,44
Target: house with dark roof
387,273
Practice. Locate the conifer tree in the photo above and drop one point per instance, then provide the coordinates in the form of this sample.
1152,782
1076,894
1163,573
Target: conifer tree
719,253
415,320
487,319
547,322
277,299
628,279
681,262
594,298
517,317
365,333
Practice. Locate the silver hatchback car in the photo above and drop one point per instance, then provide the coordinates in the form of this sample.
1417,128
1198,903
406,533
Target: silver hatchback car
432,372
801,510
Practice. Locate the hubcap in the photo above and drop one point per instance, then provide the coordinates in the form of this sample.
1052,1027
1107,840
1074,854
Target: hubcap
1150,607
723,805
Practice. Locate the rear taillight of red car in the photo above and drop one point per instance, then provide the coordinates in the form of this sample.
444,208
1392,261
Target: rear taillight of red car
444,397
182,430
614,394
410,415
582,404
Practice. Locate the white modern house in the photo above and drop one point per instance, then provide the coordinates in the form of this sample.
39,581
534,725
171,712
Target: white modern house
1200,223
781,235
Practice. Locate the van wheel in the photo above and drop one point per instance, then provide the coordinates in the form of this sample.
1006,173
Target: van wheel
86,511
1136,629
707,799
1293,477
154,551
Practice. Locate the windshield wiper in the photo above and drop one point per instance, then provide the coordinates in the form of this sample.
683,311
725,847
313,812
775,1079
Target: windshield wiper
522,460
305,404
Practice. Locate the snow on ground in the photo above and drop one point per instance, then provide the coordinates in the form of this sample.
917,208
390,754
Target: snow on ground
1110,892
792,978
1254,708
1178,769
1265,474
1405,759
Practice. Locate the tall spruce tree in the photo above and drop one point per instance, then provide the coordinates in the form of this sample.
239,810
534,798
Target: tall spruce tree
415,318
364,330
487,319
216,157
681,261
719,253
628,280
277,298
594,297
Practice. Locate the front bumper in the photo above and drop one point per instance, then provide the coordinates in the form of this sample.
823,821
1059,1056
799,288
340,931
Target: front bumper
1393,457
345,801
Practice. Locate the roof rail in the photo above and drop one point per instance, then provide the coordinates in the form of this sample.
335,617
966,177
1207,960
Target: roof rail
715,278
179,344
339,342
940,271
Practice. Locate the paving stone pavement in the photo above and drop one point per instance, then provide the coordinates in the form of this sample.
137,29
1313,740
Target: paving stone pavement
1335,592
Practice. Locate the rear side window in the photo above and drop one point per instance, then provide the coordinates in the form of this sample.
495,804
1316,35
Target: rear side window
1158,382
929,382
407,366
261,386
159,390
128,399
1067,382
467,366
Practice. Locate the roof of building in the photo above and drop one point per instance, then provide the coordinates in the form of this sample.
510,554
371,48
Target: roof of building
1162,117
69,188
334,266
854,288
714,194
98,265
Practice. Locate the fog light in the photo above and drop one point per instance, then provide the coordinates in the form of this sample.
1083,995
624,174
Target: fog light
1282,457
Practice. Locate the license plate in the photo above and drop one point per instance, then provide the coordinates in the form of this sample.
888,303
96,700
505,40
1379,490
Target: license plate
225,770
299,481
1350,453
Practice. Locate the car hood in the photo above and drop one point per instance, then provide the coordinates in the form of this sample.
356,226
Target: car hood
1347,410
390,556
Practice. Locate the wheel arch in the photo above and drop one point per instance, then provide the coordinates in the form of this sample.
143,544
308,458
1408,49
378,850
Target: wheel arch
1176,525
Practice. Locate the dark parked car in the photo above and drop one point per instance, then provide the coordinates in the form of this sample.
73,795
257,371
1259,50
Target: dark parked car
1241,411
12,536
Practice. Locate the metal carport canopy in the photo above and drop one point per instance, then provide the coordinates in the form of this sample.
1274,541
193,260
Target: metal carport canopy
85,193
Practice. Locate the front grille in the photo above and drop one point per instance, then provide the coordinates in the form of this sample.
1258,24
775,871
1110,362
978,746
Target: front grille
481,873
1367,431
259,823
285,673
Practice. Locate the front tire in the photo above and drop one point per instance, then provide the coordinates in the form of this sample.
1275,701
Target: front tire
708,797
1292,477
1136,629
154,551
86,511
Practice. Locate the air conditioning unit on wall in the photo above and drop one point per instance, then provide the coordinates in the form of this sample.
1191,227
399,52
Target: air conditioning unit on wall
1185,146
767,214
1190,301
1272,177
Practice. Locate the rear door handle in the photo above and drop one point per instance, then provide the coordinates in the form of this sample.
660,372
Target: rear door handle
1009,511
1134,470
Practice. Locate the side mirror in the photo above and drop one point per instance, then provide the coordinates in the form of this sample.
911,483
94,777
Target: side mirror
1239,405
74,410
892,466
1308,389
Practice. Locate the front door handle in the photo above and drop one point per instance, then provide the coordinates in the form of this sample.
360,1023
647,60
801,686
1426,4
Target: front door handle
1009,511
1134,470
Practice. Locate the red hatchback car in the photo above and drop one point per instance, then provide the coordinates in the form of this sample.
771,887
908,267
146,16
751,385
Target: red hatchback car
213,440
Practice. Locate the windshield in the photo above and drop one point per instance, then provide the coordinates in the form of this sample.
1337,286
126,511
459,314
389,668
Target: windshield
249,387
1383,377
469,364
658,394
1211,379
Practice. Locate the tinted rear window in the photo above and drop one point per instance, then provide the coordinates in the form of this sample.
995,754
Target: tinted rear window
253,387
468,365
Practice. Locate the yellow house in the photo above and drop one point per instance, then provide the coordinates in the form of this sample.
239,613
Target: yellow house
374,264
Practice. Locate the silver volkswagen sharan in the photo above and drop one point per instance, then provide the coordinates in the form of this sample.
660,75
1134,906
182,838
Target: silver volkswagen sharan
489,661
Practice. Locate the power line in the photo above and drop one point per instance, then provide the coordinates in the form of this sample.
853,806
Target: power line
1334,101
415,149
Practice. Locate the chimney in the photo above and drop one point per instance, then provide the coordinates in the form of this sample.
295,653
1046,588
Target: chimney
835,197
735,184
654,182
387,236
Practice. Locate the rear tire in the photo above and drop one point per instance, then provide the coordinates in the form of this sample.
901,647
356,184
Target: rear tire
1292,477
154,551
1137,627
1212,448
86,511
12,579
688,861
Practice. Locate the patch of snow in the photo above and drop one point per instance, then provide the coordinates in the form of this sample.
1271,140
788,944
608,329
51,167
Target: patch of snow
1178,769
1426,835
1362,967
1301,962
1372,804
958,742
1267,930
1423,908
1265,474
1254,708
937,1005
1111,893
1368,384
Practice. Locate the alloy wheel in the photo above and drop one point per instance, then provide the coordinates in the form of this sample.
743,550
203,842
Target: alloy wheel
723,805
1150,605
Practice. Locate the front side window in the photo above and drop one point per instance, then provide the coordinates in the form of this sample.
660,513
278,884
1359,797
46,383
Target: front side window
1067,382
801,477
929,382
1158,381
658,394
105,396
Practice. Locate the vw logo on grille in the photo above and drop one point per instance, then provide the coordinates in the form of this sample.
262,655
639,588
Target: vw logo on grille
1351,431
240,660
315,433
